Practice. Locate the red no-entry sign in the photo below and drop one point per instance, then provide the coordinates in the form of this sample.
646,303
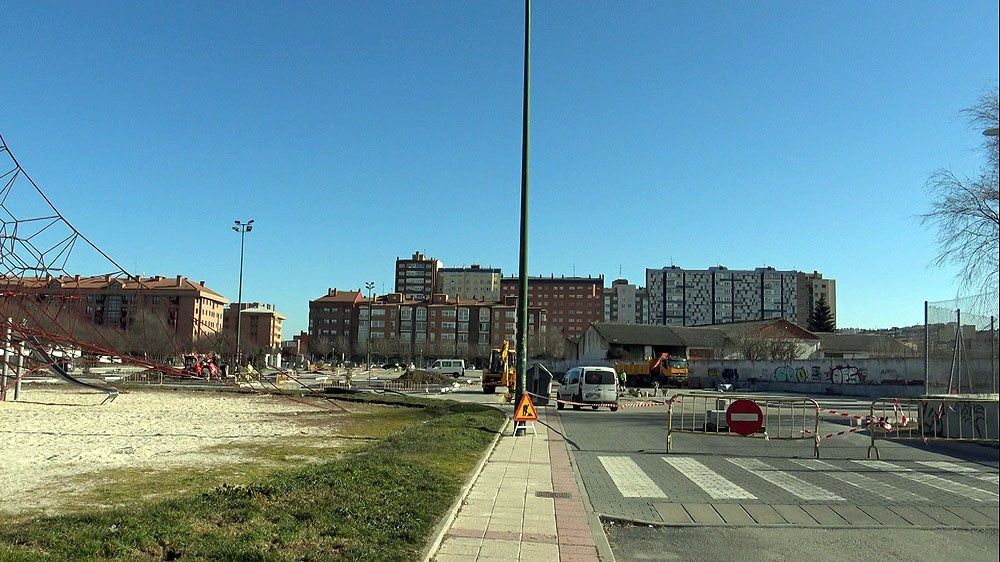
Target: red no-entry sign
744,416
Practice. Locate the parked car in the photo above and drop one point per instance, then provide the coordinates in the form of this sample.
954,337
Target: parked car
453,367
593,386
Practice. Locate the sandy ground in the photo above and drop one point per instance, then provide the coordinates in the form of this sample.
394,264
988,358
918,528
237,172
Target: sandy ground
53,432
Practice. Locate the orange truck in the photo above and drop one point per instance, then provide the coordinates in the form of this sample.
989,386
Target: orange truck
667,370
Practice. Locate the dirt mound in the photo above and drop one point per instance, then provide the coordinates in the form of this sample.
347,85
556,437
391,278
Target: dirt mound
421,376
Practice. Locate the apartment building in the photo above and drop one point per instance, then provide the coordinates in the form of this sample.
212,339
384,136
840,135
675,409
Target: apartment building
812,286
718,295
260,325
186,311
625,303
393,325
334,316
570,303
474,283
417,277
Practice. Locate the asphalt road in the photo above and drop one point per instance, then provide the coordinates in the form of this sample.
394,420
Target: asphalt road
724,497
720,496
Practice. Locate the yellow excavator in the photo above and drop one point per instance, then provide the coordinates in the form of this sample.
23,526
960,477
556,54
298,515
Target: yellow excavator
501,369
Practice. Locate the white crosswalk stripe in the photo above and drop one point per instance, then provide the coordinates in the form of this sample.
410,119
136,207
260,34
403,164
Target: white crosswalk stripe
788,482
631,481
712,483
932,481
993,478
859,480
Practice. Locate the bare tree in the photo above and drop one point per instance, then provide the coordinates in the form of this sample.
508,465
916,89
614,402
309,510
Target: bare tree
965,211
341,349
321,346
749,344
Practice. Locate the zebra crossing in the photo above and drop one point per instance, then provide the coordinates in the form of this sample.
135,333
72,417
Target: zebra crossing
782,480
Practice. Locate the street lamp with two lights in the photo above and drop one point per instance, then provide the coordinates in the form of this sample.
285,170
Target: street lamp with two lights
242,228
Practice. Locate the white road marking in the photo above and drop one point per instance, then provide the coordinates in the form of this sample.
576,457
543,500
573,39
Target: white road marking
933,481
712,483
631,481
788,482
858,480
992,478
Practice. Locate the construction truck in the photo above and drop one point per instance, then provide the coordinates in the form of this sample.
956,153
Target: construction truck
501,369
666,370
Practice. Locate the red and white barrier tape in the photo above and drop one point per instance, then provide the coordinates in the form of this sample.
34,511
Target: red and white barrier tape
869,422
643,404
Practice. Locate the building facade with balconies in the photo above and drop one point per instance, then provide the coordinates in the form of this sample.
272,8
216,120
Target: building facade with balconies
718,295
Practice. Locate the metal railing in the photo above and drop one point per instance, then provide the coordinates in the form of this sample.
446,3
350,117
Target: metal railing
779,417
952,417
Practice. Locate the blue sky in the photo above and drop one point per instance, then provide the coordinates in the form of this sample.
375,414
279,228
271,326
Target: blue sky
796,135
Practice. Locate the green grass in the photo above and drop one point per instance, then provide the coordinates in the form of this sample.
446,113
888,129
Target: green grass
377,497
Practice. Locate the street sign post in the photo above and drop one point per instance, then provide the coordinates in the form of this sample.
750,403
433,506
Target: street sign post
525,415
744,417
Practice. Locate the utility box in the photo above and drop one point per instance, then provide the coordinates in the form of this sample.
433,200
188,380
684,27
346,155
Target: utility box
539,384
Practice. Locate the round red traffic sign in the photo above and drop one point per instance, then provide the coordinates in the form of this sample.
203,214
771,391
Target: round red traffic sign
744,416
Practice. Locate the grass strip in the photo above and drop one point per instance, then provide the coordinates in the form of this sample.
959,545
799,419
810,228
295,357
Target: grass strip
378,502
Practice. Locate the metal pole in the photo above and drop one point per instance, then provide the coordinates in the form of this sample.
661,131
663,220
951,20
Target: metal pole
370,285
19,372
927,351
242,228
239,301
993,348
522,301
6,358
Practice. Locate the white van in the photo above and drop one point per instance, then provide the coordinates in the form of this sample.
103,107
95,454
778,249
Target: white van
592,386
453,367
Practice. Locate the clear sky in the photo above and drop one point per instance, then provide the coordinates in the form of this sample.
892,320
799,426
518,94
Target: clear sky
796,135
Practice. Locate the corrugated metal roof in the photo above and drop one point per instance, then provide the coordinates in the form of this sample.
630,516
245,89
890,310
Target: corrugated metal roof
646,334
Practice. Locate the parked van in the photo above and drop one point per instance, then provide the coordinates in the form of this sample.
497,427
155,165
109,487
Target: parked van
453,367
589,385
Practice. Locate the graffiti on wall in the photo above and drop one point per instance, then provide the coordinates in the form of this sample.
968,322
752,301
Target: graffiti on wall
790,374
830,375
847,375
954,419
728,375
841,374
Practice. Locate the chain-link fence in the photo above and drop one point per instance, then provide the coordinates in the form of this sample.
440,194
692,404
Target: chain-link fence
960,345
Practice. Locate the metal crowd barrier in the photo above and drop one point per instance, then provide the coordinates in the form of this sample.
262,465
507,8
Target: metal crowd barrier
951,417
781,417
148,376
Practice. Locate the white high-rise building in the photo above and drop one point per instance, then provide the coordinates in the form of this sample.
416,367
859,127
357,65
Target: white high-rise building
717,295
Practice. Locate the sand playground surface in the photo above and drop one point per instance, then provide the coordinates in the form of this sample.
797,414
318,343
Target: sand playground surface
55,432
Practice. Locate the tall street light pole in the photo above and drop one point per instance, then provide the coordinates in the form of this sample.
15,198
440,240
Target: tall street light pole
370,285
522,299
242,228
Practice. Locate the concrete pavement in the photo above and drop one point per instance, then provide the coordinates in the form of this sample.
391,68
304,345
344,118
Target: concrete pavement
523,503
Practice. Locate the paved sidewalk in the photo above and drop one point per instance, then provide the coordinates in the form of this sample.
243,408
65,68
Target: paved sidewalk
524,504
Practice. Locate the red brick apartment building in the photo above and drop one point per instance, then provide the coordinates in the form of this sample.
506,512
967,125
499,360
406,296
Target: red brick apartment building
260,325
570,303
397,326
190,311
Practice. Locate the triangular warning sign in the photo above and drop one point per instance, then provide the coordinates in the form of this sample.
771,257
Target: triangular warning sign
525,409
